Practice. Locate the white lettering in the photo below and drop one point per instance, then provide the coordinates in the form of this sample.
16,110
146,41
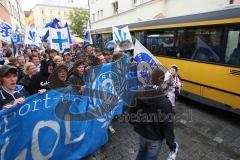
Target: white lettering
36,153
46,101
4,147
68,132
28,108
35,104
22,155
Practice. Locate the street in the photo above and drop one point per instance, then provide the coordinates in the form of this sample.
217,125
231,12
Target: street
203,133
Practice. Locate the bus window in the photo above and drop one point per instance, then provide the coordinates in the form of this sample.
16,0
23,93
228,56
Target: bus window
161,42
232,54
139,36
97,40
200,44
106,38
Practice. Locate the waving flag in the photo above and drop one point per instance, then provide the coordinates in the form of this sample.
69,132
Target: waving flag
5,31
59,39
88,36
32,38
146,62
16,37
108,85
42,32
69,35
122,38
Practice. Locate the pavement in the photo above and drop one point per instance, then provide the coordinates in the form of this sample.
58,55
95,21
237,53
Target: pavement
203,133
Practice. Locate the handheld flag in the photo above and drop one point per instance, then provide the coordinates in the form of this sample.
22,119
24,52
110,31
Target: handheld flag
59,39
146,62
88,36
16,37
122,38
32,38
69,35
5,31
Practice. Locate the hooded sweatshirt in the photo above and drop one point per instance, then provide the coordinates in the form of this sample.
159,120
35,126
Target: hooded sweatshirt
76,80
149,108
54,81
40,80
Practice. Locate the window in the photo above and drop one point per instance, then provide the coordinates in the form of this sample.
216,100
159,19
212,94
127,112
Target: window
43,12
101,13
97,40
231,1
51,12
134,2
199,44
98,15
232,54
140,36
161,42
93,17
106,38
115,7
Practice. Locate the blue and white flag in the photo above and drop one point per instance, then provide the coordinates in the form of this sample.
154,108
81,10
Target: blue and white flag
122,38
16,37
41,32
88,36
5,32
59,39
69,35
146,62
108,85
32,37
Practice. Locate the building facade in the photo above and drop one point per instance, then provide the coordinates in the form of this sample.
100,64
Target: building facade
45,11
4,12
11,12
104,12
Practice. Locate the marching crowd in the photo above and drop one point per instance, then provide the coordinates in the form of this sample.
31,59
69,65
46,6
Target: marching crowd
35,71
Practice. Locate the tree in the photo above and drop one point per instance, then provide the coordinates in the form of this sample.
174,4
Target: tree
79,19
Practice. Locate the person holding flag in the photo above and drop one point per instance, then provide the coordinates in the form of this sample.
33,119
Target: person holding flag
151,72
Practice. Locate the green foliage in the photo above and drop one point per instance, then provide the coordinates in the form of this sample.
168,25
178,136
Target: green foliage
79,19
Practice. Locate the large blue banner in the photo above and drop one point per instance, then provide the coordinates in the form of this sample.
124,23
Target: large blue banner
34,131
61,125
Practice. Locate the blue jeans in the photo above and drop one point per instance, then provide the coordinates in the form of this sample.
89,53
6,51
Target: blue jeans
149,149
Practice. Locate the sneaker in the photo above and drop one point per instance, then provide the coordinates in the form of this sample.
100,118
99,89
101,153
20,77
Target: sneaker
112,130
173,154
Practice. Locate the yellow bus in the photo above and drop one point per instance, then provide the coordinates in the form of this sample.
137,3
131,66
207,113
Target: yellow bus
206,47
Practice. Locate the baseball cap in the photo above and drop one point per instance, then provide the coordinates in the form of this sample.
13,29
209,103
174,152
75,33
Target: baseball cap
6,68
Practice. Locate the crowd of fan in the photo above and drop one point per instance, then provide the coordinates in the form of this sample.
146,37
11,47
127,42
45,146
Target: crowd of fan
39,70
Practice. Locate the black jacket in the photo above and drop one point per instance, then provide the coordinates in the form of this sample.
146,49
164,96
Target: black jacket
149,108
76,81
40,80
25,81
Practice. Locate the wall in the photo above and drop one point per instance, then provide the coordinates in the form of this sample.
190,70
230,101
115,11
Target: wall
149,9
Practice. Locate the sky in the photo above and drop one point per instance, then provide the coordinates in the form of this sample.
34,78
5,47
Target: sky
28,4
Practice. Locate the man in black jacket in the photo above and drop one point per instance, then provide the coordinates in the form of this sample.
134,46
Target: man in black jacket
152,117
40,80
